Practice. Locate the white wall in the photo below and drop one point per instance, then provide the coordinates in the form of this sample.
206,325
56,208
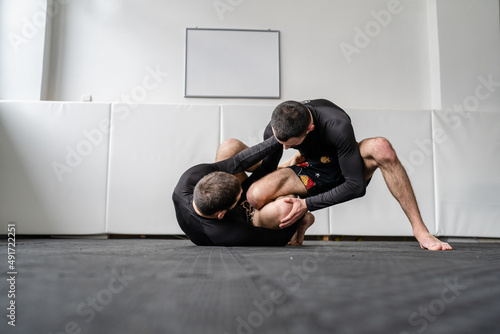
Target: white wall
22,47
375,54
469,54
95,168
54,166
105,48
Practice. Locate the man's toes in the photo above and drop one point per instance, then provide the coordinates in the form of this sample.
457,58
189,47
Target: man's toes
435,247
432,246
446,246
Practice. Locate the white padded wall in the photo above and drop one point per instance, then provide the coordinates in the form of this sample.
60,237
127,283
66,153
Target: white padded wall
151,146
247,123
378,213
467,154
53,167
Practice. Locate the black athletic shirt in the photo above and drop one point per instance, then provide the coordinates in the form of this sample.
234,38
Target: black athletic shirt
233,229
333,136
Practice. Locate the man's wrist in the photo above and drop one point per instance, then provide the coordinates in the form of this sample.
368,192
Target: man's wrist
304,204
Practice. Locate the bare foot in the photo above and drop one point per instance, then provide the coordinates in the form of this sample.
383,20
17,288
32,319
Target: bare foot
298,237
430,242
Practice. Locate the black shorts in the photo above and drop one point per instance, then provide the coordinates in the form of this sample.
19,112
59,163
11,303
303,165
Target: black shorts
318,177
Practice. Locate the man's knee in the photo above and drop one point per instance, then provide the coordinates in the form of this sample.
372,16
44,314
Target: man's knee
256,195
383,151
229,148
232,144
282,208
271,214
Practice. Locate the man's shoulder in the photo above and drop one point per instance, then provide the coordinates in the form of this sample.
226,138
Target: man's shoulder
328,113
322,104
194,174
192,225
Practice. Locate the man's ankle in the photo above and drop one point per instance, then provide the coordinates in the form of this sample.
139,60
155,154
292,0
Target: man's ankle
420,231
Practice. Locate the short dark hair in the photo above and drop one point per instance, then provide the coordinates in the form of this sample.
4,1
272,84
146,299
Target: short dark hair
215,192
290,119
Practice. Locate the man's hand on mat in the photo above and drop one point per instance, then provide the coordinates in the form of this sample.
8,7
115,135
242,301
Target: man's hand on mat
299,209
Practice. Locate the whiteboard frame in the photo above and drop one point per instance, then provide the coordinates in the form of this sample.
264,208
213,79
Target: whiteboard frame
274,94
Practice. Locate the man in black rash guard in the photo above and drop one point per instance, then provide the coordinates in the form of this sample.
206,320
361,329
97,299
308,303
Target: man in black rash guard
234,226
332,167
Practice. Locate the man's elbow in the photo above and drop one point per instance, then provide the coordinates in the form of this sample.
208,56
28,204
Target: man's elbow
359,189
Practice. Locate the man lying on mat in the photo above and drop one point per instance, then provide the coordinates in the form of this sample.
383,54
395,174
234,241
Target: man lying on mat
211,207
330,166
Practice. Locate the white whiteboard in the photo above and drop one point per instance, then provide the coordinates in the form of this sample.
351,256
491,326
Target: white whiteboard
232,63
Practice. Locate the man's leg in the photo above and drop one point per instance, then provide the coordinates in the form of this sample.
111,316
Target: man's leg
271,214
378,153
279,183
267,195
228,149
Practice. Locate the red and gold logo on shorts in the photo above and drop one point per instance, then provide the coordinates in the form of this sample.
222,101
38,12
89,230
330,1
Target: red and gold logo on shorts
306,180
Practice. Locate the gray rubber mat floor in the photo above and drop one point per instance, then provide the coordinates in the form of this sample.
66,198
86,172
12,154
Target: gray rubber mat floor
171,286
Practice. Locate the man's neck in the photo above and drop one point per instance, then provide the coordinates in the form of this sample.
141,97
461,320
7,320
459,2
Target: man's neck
201,214
312,119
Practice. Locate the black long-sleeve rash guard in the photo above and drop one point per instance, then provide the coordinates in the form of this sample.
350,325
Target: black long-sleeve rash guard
233,229
333,136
